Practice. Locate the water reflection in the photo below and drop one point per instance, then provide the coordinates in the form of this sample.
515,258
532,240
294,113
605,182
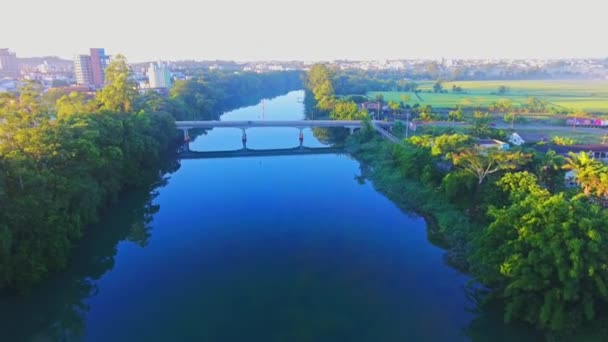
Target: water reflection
230,139
56,310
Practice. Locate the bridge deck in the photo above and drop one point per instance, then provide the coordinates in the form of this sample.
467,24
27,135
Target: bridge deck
274,123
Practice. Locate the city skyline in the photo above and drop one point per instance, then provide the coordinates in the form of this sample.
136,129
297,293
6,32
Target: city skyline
274,30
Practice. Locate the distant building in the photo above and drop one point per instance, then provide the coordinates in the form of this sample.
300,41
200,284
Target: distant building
159,76
90,69
492,143
99,62
596,151
370,106
516,139
8,64
83,70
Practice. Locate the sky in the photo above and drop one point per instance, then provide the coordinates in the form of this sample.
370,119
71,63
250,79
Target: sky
250,30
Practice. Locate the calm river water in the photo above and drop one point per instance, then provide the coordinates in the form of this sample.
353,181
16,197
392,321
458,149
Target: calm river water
289,248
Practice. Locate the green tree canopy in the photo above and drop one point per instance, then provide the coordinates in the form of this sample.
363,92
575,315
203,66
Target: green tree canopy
547,254
74,103
120,90
591,174
318,80
347,110
482,162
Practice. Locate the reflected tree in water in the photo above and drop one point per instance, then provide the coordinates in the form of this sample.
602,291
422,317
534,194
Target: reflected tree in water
56,309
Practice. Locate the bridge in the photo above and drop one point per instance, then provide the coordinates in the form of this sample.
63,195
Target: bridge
381,126
350,124
247,152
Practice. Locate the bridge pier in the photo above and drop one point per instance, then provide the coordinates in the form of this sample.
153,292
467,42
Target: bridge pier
244,138
351,130
186,140
301,137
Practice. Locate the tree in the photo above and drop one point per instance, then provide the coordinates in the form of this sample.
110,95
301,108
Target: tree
398,129
447,144
427,114
562,141
591,174
511,118
395,107
482,162
415,162
535,105
481,122
347,110
74,103
502,106
19,114
438,87
155,102
456,115
120,90
318,80
549,169
545,254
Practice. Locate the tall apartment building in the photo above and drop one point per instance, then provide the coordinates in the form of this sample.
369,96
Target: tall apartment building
99,62
159,75
8,64
83,70
90,69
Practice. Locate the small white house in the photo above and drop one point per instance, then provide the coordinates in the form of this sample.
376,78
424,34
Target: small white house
492,143
516,139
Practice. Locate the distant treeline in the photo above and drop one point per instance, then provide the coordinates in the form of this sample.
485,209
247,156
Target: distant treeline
207,97
65,158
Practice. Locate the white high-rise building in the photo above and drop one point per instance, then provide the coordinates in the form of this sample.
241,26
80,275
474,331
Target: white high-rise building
8,64
159,75
83,69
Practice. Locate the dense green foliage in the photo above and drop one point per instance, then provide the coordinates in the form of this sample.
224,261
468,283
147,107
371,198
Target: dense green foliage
319,83
506,217
546,253
58,169
347,110
208,97
64,158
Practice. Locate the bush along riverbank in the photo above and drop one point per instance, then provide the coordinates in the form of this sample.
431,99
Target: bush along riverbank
506,218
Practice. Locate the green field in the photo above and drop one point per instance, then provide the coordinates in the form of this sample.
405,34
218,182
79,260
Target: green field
589,96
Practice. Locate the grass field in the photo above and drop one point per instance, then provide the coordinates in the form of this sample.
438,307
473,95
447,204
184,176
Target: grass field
589,96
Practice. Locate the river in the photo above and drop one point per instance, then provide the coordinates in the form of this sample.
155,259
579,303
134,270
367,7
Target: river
289,248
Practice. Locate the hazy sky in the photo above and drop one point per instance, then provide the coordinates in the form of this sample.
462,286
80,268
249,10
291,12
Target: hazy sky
307,30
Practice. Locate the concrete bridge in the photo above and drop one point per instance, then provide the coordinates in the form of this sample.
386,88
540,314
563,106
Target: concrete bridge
354,124
247,152
381,126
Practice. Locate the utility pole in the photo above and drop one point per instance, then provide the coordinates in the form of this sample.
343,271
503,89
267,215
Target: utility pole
407,124
513,121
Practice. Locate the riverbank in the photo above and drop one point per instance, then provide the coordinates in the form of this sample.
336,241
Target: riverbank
452,229
448,227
